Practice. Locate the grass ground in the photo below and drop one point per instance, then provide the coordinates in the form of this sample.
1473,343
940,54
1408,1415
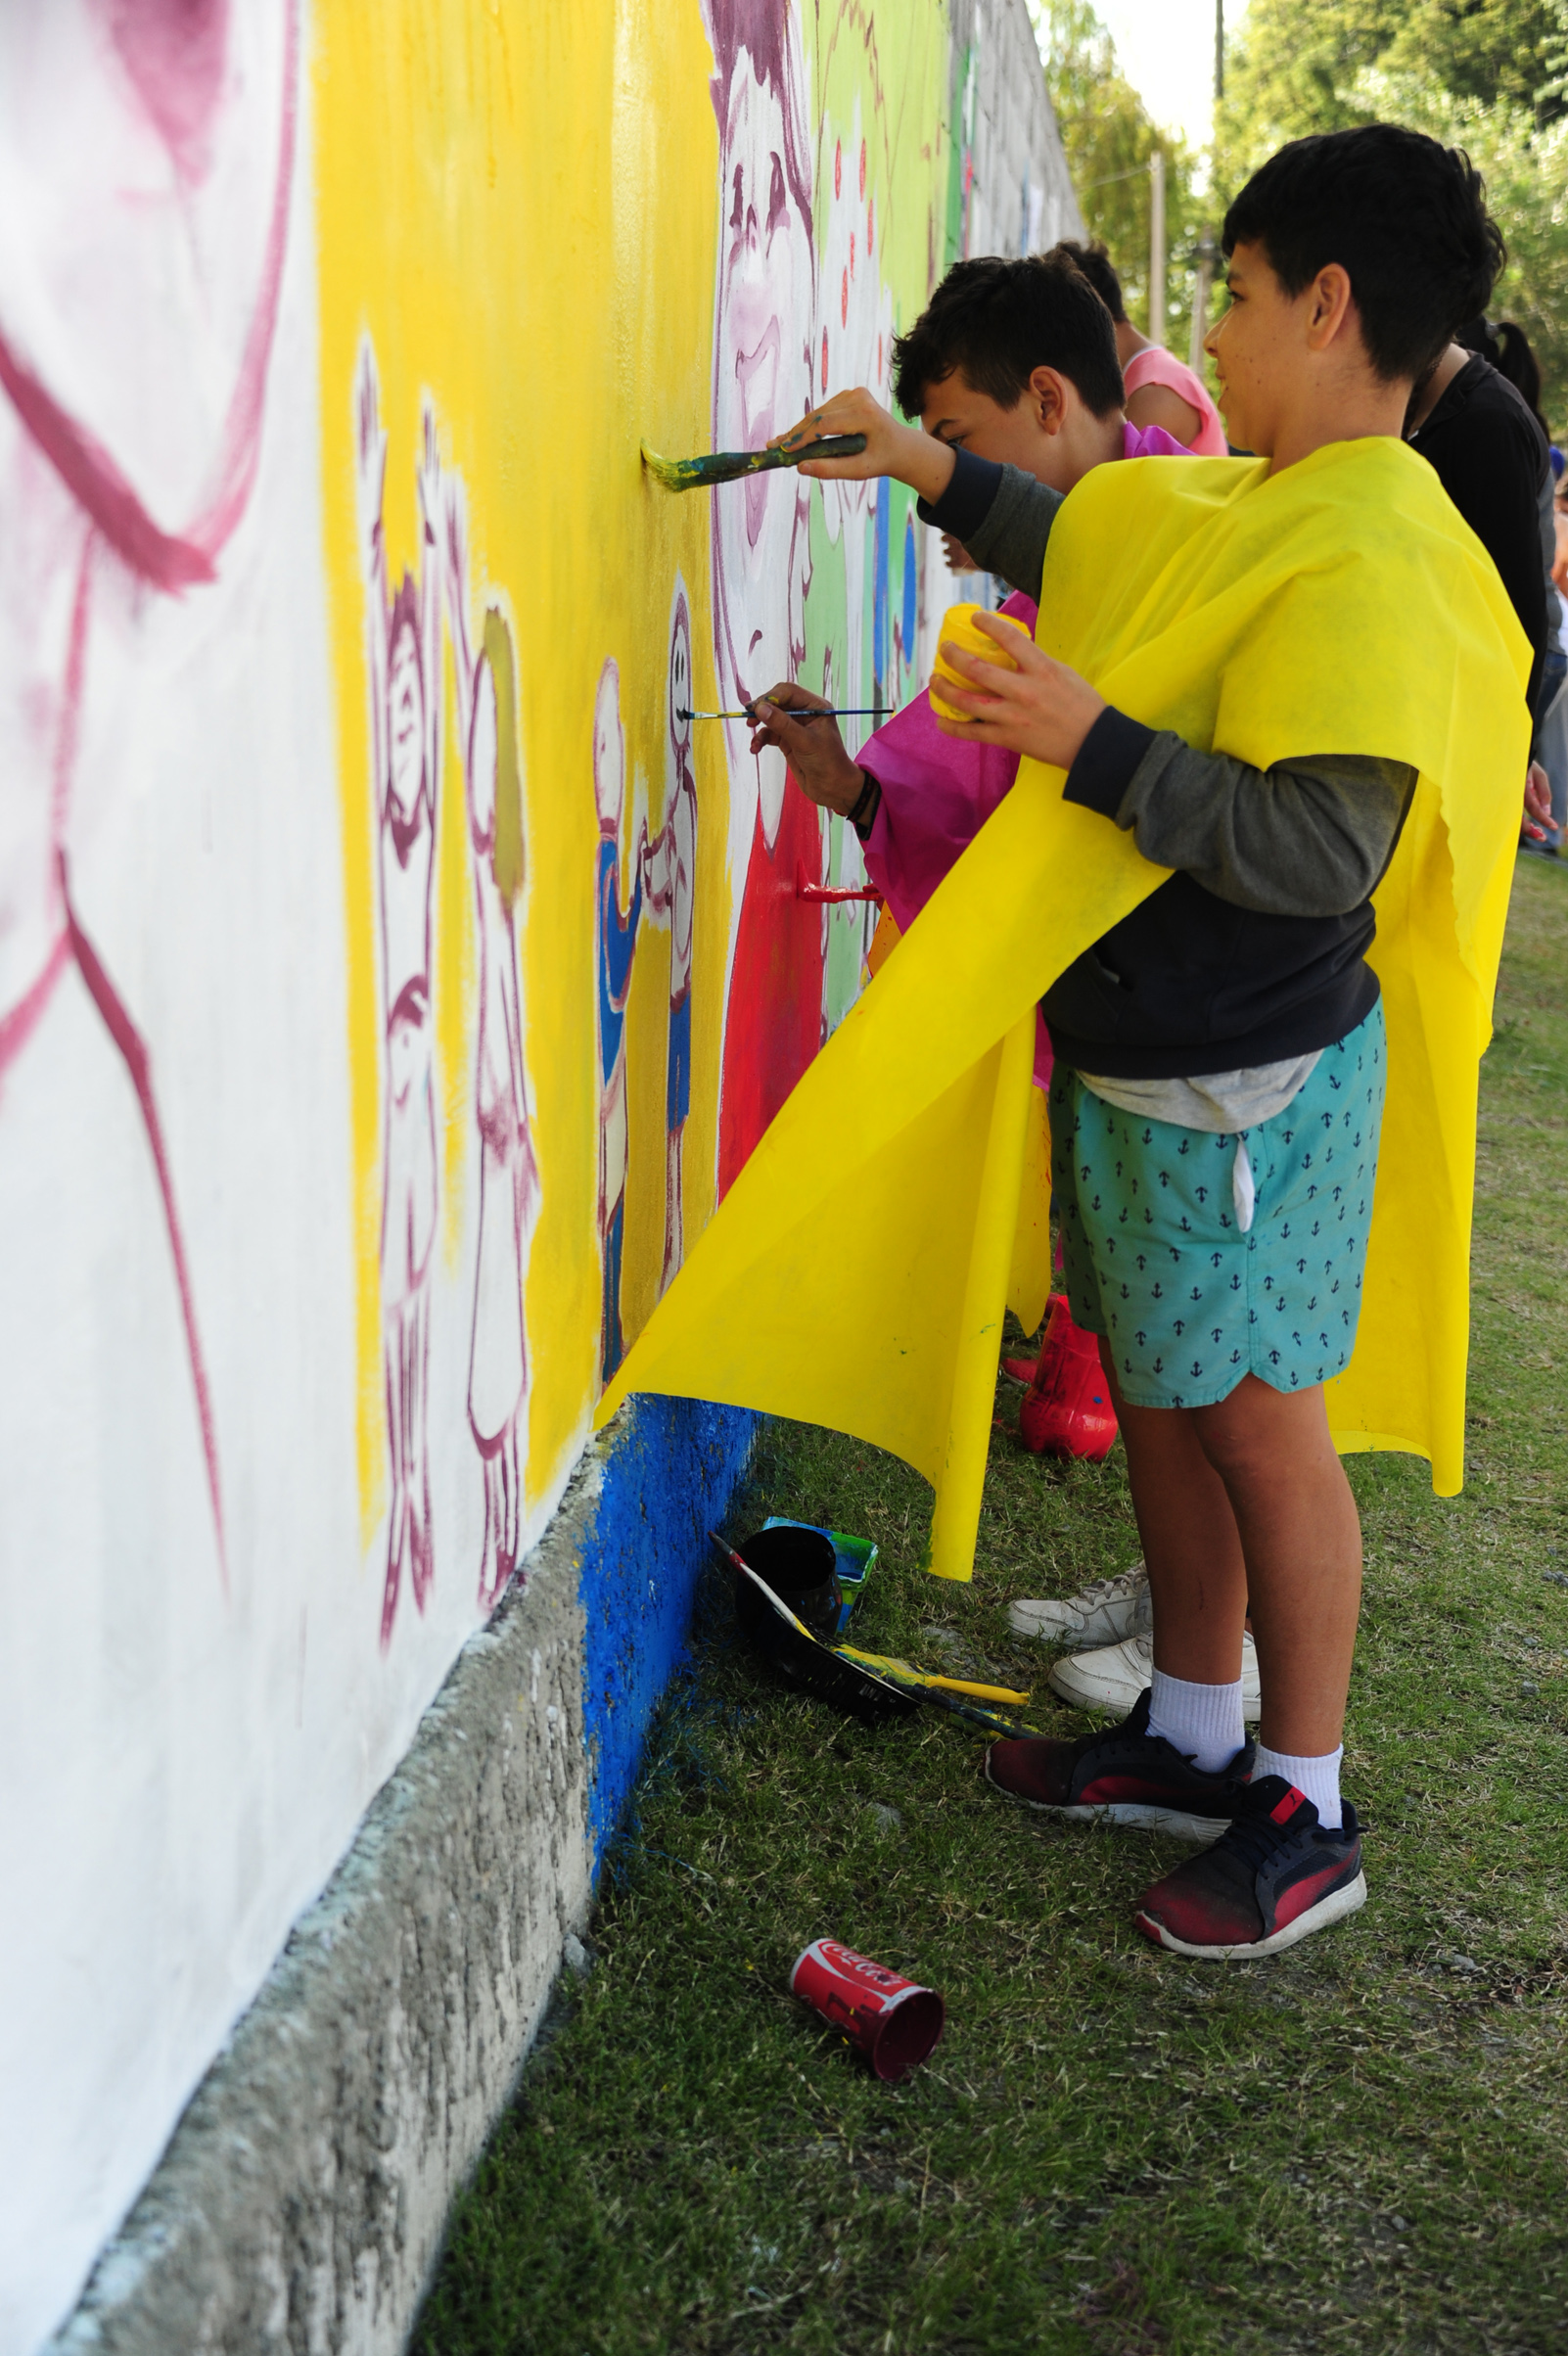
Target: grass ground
1361,2145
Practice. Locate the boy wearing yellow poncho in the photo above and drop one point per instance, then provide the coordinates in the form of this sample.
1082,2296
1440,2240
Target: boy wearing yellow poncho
1274,686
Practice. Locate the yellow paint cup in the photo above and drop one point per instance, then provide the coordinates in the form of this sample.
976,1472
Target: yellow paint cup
959,625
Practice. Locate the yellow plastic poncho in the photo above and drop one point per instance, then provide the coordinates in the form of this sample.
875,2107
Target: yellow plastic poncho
855,1274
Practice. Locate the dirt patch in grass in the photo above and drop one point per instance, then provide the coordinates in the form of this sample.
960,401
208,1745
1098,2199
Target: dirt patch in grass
1358,2146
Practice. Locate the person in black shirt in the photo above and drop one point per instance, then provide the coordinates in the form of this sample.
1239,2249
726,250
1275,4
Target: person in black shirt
1491,456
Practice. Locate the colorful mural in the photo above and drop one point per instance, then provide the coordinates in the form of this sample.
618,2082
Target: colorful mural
396,964
813,203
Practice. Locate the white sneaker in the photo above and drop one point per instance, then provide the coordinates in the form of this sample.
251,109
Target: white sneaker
1104,1613
1113,1677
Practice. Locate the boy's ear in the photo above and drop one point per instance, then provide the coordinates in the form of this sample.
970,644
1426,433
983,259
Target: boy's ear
1330,308
1047,397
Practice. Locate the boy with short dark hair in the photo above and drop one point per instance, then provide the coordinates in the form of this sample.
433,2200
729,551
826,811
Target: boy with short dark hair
1220,1055
995,321
1014,363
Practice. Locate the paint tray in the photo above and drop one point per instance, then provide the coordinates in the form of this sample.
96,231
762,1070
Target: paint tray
855,1558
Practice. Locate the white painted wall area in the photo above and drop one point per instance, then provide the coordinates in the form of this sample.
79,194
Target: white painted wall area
179,1770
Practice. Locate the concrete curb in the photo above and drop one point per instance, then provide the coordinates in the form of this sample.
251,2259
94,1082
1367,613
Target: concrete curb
303,2199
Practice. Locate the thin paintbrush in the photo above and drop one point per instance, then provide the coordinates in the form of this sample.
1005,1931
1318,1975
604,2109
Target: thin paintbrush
833,712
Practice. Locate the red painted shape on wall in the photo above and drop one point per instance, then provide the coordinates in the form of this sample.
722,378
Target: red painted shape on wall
774,1024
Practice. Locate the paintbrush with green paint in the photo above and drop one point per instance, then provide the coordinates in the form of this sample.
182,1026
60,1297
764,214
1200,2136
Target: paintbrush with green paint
731,466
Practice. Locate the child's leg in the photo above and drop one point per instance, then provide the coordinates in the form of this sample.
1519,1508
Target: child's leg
1302,1540
1291,1859
1191,1546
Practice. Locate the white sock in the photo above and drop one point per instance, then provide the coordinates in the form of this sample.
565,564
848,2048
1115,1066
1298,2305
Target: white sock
1317,1778
1202,1721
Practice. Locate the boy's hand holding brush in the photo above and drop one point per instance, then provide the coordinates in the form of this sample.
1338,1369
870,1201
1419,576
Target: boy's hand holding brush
816,751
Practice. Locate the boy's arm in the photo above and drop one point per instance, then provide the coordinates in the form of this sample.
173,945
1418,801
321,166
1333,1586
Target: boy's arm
1305,838
1002,515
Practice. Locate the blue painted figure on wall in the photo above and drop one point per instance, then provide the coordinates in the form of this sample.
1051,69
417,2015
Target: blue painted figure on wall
670,870
617,943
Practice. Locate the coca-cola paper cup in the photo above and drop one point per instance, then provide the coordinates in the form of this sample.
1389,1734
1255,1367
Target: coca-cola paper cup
894,2021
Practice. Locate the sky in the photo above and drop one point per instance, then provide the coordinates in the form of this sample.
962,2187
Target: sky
1166,50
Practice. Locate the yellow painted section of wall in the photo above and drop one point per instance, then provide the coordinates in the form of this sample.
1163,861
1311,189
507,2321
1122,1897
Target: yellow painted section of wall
518,206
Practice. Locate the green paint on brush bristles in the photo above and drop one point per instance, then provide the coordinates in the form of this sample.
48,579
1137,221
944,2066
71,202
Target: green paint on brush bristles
728,466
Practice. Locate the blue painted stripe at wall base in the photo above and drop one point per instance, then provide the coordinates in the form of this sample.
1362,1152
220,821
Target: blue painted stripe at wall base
672,1467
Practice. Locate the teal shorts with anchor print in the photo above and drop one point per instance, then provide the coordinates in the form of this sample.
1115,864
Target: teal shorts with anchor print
1157,1257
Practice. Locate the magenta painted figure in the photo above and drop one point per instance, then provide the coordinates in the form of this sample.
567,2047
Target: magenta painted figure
764,306
509,1175
404,654
159,163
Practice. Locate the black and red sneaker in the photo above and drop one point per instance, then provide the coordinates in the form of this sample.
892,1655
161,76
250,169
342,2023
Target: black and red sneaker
1272,1877
1125,1776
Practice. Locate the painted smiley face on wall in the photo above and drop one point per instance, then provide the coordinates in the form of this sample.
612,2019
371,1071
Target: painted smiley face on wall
681,700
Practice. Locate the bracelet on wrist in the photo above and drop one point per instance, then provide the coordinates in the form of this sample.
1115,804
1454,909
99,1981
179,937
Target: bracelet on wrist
866,804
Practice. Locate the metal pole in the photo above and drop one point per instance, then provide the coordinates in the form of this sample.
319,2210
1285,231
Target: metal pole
1200,304
1157,247
1219,50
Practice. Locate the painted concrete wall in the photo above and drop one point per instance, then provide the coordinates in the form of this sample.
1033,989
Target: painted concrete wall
302,2202
389,979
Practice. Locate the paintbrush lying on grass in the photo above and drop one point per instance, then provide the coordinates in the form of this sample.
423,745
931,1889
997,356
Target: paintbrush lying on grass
868,1685
730,466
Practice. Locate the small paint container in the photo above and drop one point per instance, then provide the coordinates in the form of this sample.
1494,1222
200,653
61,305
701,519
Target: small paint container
855,1558
894,2022
800,1564
959,628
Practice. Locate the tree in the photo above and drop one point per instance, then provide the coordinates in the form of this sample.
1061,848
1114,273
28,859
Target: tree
1294,69
1109,139
1488,75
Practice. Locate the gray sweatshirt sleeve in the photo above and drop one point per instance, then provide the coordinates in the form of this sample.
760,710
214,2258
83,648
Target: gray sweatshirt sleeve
1303,837
1001,515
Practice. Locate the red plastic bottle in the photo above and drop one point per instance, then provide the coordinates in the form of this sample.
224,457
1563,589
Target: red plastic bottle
1067,1409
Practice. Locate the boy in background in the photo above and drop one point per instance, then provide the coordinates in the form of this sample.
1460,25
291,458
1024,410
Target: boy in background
1014,361
1161,389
